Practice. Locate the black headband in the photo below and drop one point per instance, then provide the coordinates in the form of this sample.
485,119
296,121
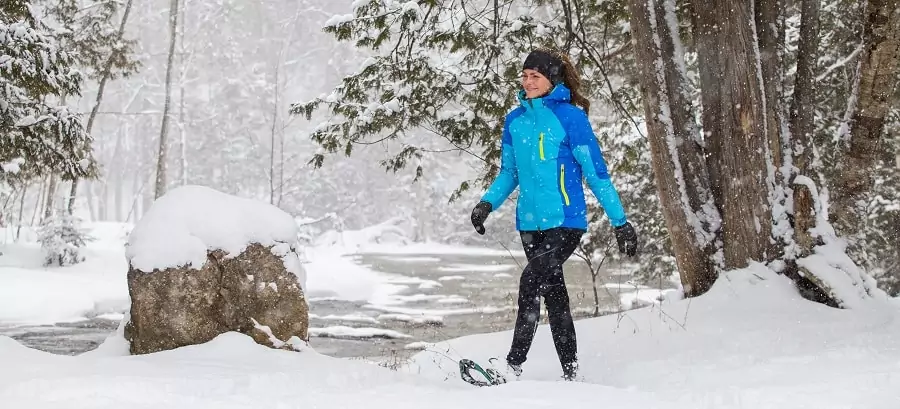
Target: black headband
545,63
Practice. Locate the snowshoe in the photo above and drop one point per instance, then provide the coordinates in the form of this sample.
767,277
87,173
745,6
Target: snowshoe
491,376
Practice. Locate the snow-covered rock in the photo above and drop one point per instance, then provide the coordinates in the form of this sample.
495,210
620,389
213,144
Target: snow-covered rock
203,263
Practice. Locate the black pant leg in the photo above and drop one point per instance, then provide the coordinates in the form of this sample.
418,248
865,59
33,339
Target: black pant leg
529,300
556,297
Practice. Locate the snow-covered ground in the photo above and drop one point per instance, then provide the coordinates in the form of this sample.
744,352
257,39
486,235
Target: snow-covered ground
31,294
233,372
749,343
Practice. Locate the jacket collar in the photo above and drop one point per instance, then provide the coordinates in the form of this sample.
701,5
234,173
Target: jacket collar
559,94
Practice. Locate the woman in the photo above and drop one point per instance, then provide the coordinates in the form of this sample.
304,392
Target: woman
548,147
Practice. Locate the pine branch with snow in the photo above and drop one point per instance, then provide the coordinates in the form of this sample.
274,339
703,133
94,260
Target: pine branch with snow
441,78
36,129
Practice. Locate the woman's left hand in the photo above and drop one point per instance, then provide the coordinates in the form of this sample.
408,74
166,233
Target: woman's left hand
626,238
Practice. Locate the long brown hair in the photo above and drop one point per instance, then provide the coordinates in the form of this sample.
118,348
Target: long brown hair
571,78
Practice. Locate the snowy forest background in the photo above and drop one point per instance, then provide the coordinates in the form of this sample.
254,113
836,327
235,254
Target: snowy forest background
253,90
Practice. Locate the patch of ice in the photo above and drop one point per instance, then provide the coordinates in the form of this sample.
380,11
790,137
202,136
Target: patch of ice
356,333
477,268
419,319
346,318
438,312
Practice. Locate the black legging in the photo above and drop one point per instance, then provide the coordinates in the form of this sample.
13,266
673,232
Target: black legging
543,276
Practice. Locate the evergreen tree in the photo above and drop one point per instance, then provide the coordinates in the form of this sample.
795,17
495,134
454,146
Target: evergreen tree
726,162
446,73
91,36
37,131
61,240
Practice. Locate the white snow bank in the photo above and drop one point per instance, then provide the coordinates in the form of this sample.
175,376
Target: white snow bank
187,222
34,295
751,342
390,238
388,233
232,372
831,264
333,276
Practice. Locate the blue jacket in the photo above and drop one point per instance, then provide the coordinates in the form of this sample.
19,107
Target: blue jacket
548,146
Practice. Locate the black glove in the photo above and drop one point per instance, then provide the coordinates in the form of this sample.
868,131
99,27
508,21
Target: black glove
480,214
627,239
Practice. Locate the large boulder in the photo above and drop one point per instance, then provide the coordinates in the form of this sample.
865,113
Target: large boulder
202,263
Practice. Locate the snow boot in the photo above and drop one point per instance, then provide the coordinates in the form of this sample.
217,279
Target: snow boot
570,371
509,372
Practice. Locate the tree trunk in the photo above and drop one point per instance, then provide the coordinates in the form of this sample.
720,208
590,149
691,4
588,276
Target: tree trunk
70,204
119,198
272,137
802,115
104,78
734,123
89,193
36,210
103,201
876,83
119,176
21,211
164,128
181,108
48,203
681,177
770,32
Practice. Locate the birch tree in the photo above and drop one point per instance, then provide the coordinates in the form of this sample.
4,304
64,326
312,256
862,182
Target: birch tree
160,187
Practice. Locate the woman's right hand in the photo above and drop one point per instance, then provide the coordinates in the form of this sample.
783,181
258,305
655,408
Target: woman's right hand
479,215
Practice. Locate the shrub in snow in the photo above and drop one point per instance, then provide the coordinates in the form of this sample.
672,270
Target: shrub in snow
61,239
202,263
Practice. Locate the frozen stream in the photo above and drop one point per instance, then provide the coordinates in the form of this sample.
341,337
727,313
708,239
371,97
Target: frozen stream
440,296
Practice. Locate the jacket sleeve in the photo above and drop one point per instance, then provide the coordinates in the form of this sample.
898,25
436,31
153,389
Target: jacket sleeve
508,178
588,155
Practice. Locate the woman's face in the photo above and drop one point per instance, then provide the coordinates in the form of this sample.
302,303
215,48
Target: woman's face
534,83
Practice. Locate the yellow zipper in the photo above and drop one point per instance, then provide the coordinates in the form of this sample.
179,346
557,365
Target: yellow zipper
541,145
562,182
